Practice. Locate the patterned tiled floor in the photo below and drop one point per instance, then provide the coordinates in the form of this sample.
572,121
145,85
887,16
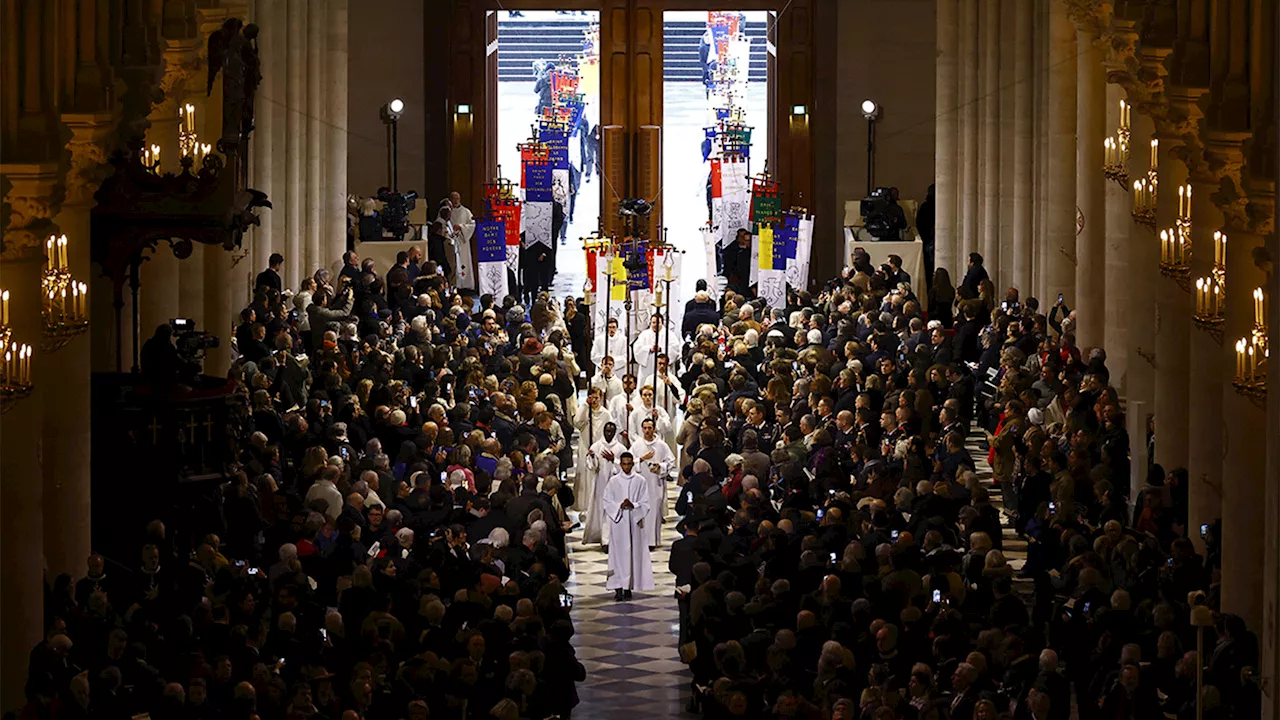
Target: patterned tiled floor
629,648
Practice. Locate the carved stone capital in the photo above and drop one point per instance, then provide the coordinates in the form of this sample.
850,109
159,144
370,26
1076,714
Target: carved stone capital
1090,15
1261,209
183,70
93,138
33,194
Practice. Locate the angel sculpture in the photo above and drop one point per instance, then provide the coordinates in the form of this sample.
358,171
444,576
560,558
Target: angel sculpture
233,50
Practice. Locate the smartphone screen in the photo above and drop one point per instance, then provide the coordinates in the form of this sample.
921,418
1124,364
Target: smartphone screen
894,534
1204,530
937,596
833,557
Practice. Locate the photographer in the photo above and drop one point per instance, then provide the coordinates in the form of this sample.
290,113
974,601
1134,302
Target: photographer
161,362
320,314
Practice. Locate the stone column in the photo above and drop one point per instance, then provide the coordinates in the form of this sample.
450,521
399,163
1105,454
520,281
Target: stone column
68,539
1173,308
1207,374
32,195
1119,205
1040,206
1023,149
334,242
989,165
1090,248
317,20
967,240
946,138
1058,255
1143,268
219,311
160,275
295,143
267,14
1244,479
1007,88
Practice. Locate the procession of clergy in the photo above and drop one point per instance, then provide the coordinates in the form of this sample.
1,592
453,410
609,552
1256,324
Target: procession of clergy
627,452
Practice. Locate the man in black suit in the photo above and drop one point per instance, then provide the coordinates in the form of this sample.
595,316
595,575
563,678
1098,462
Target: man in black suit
271,276
690,549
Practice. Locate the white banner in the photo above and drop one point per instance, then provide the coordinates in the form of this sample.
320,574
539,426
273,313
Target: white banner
560,188
493,277
755,258
731,211
773,287
804,248
615,307
709,250
537,223
513,259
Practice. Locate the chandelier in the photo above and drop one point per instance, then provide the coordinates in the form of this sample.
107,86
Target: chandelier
15,371
1115,163
151,157
1175,242
1211,292
188,141
1145,190
1252,354
65,302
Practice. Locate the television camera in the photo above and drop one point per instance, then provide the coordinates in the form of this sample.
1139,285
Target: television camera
395,211
882,216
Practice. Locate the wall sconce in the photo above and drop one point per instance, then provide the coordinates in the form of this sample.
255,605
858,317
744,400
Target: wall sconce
464,109
799,110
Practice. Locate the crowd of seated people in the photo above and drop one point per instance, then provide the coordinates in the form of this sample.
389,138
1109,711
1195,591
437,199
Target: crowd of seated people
391,543
842,556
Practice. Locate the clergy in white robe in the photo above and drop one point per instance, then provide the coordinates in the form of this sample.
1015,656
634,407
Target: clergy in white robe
602,462
626,507
646,410
669,396
608,383
589,422
654,461
465,223
613,343
621,406
646,348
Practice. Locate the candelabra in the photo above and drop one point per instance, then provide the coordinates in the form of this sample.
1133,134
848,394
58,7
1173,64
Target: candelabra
1211,292
1175,243
65,301
151,157
1252,354
1116,150
188,141
1145,191
15,371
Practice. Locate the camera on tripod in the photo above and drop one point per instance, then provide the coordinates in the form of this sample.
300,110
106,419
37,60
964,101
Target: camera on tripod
882,217
191,343
395,211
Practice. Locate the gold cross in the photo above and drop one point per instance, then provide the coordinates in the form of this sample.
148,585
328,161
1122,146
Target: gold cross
191,430
155,428
208,427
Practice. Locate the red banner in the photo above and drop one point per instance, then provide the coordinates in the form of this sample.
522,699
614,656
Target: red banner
508,211
716,190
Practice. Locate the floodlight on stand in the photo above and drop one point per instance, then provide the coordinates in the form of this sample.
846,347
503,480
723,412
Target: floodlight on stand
799,110
464,109
870,110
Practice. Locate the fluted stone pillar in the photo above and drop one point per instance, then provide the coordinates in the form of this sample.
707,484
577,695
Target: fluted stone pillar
1040,219
1090,248
295,146
946,138
31,188
1023,149
989,165
1244,479
66,426
268,15
1207,373
317,21
334,242
1173,308
1057,259
1007,88
969,130
219,310
1119,205
1143,267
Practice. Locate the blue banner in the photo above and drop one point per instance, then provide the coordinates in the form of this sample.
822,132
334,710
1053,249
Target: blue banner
788,235
491,241
638,279
537,180
557,142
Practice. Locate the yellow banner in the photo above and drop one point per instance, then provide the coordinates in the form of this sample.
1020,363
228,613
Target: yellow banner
619,288
765,259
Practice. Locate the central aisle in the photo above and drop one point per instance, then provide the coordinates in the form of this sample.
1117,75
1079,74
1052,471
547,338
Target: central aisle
629,648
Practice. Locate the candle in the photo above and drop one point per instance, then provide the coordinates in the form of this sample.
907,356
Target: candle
1155,155
1253,363
4,307
62,250
1240,358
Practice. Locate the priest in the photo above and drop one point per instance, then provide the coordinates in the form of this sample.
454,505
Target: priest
464,224
647,346
655,463
647,409
601,464
626,507
589,421
622,405
612,344
606,380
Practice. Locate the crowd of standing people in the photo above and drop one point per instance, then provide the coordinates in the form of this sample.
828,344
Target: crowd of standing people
393,539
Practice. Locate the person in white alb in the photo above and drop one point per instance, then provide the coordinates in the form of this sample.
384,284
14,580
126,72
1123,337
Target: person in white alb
669,396
655,461
626,506
646,347
605,379
589,421
465,227
646,409
621,407
616,345
602,463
